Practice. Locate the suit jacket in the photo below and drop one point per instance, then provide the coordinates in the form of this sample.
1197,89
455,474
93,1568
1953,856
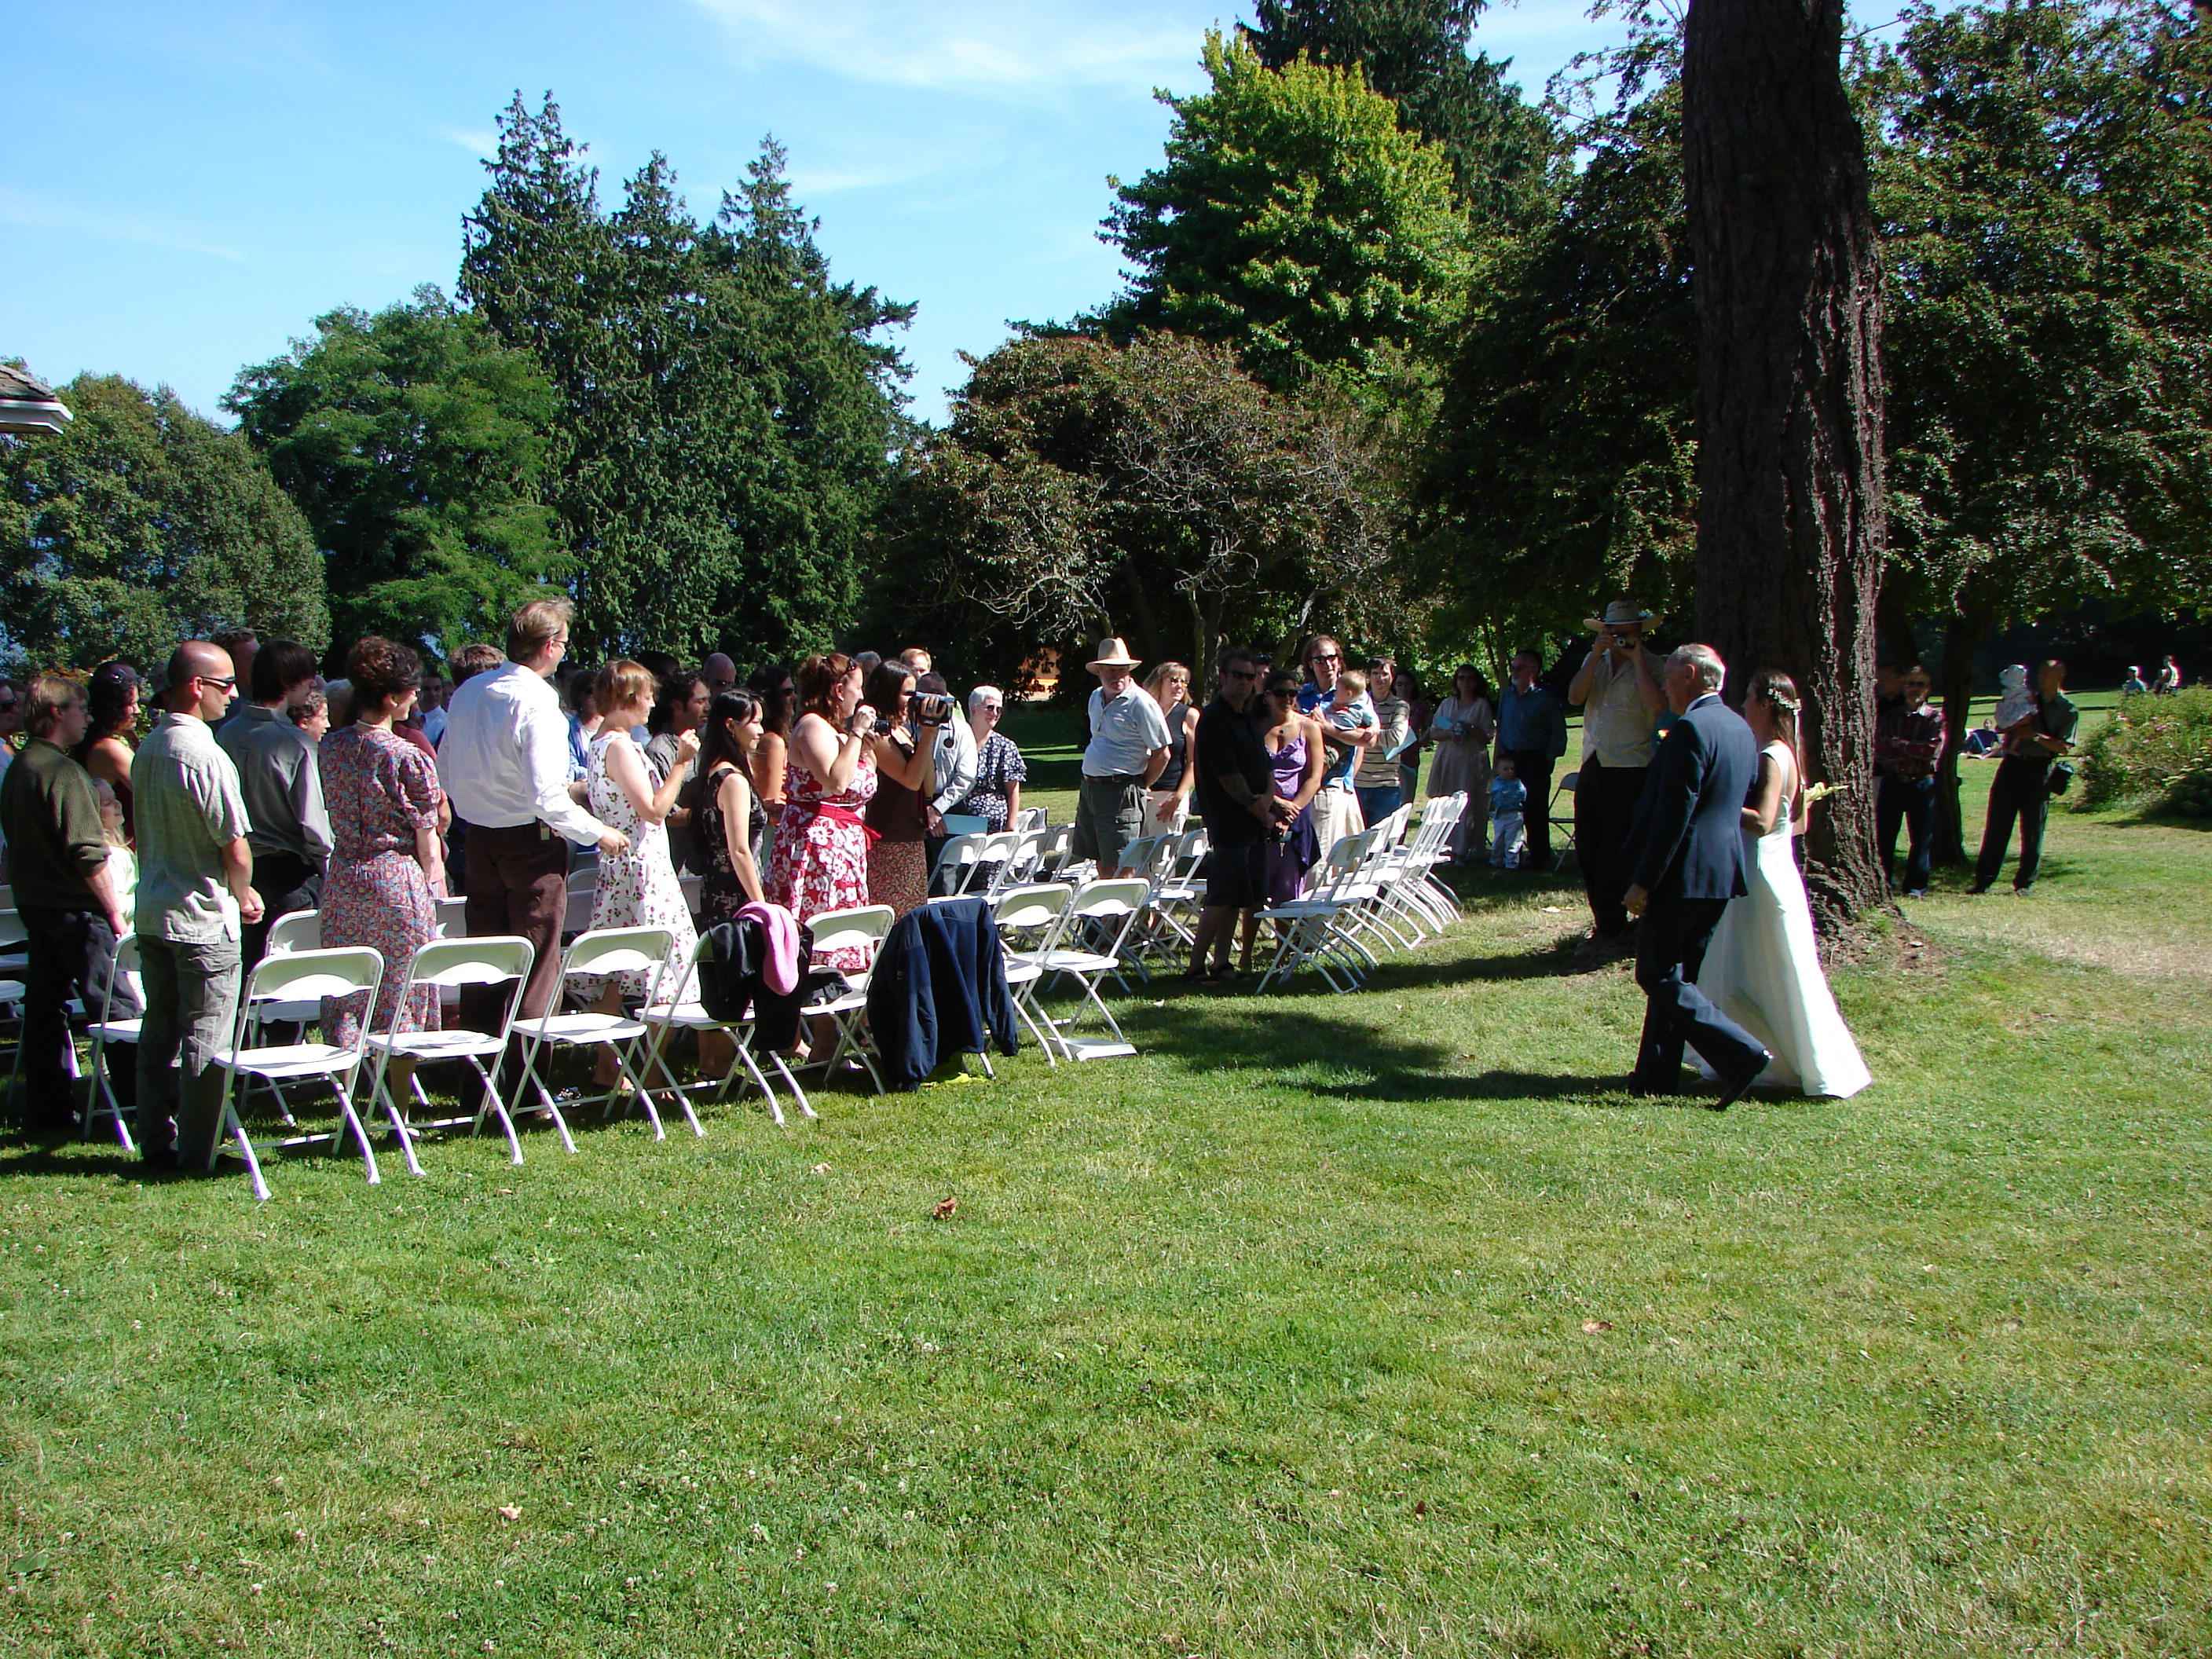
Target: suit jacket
1688,831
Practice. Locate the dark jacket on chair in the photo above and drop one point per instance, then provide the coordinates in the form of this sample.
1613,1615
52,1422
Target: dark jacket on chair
732,978
939,989
1687,838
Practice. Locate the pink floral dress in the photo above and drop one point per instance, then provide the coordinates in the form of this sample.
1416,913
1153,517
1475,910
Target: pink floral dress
379,789
820,862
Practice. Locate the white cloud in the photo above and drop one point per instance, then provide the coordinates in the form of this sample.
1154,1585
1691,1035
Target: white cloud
971,46
479,142
19,207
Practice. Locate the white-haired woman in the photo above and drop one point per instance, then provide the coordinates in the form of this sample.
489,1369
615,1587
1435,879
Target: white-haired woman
1000,769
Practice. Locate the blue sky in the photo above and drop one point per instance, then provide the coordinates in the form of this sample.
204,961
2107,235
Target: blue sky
189,184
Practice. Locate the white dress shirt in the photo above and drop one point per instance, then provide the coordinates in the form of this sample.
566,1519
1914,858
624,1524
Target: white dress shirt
505,759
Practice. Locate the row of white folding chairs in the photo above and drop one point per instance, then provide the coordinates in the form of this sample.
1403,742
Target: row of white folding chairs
1377,885
1012,856
1059,930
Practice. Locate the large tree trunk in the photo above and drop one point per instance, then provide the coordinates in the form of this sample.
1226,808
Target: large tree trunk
1791,522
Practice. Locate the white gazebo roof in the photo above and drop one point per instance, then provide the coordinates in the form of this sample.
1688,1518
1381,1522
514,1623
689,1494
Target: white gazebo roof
27,404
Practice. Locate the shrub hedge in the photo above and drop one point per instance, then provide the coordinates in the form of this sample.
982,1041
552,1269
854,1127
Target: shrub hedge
2155,751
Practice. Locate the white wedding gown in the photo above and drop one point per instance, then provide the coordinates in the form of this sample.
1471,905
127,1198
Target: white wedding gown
1764,971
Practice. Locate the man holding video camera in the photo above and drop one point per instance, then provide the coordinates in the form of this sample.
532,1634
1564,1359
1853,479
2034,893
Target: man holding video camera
1618,690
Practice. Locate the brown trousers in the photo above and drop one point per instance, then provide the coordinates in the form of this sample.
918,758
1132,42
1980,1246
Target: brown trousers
518,883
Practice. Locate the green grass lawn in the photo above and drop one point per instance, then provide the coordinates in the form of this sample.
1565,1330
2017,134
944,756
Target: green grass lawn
1360,1325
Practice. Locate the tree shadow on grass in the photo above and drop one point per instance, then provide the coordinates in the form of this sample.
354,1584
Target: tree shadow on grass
73,1157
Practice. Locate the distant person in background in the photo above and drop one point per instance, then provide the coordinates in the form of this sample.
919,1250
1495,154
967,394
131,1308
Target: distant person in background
678,708
1908,747
1298,764
65,896
1618,691
720,673
2021,789
1167,802
1462,728
1407,686
471,660
954,762
195,893
283,788
2016,696
866,662
1378,780
820,858
2169,677
1000,769
1509,799
242,644
430,705
1532,733
1234,793
387,867
2134,686
583,722
728,822
1336,808
106,748
918,659
772,683
311,713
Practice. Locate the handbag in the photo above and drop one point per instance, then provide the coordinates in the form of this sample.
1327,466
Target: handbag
2060,778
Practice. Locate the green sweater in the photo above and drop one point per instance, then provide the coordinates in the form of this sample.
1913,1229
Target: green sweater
54,839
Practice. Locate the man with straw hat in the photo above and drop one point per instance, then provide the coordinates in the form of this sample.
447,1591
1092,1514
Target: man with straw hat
1618,690
1128,748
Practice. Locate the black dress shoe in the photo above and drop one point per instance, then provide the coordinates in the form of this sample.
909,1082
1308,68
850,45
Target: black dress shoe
1735,1088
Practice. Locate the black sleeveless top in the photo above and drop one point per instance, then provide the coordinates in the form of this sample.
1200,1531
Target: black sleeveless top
720,896
1170,777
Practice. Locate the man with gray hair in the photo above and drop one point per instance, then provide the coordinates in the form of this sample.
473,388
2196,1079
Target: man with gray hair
1687,848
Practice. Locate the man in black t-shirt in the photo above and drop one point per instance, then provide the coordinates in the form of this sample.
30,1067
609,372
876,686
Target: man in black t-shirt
1236,797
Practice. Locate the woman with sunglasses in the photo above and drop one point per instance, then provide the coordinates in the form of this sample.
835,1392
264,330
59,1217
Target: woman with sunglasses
1167,802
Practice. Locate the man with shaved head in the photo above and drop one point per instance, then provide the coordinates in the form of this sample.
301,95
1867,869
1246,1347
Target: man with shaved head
720,673
195,898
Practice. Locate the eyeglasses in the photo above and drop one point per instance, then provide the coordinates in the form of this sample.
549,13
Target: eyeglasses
1328,656
225,681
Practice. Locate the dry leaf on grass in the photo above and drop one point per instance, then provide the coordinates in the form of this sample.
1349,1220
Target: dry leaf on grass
509,1512
1592,1327
944,1211
821,1169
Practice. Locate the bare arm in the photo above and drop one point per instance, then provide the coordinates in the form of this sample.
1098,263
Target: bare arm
102,884
430,853
768,761
1316,766
1578,689
734,796
1156,762
626,770
1189,748
830,755
1013,801
238,873
897,764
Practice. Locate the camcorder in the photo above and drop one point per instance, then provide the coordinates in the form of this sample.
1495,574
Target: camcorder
931,708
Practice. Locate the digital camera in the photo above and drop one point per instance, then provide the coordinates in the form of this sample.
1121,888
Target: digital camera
931,708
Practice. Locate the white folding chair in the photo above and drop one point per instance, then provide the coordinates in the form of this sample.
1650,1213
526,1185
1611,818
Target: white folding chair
1564,826
1035,911
295,930
453,918
864,928
447,965
1059,843
301,975
1307,930
958,863
1111,909
1030,817
602,950
108,1028
683,1011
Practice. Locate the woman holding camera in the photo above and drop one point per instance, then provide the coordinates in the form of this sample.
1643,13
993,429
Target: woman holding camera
905,773
820,859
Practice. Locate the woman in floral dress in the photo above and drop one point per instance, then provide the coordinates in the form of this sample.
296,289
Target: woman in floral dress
820,861
638,888
1000,769
387,864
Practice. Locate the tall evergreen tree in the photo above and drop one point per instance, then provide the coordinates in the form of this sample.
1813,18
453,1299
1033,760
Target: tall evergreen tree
1414,52
726,413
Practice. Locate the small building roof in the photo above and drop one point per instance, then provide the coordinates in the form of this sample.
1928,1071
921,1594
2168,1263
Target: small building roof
28,404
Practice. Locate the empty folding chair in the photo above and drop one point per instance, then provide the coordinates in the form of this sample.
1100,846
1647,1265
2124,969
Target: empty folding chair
300,976
108,1028
862,928
1029,921
1564,827
446,964
602,950
683,1011
1030,817
295,930
1110,909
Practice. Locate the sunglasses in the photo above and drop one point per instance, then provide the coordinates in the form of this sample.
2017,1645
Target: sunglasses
1328,656
225,681
1239,673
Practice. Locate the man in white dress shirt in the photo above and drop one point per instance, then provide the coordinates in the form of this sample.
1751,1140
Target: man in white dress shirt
505,764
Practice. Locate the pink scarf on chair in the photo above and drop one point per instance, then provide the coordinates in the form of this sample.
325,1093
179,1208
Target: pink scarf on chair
780,929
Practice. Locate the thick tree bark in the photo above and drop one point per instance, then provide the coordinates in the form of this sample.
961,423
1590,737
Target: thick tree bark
1791,520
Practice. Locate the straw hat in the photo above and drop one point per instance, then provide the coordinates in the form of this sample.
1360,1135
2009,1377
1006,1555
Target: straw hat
1621,613
1112,653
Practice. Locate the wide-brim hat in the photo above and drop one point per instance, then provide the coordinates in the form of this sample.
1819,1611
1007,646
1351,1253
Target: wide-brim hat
1621,613
1112,653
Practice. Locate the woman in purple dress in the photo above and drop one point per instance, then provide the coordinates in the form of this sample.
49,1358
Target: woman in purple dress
1295,742
387,863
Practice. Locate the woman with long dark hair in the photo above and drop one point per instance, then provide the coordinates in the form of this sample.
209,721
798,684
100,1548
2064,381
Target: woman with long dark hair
777,692
1762,968
820,861
730,818
679,706
112,723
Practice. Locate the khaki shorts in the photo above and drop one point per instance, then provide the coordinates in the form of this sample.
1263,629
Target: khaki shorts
1109,813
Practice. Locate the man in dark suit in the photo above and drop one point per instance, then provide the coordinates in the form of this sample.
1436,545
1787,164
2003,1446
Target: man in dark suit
1688,851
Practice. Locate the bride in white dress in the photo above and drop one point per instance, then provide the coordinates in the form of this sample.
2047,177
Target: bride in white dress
1762,968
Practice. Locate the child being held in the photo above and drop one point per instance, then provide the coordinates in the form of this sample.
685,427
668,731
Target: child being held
1348,711
2015,702
122,862
1508,797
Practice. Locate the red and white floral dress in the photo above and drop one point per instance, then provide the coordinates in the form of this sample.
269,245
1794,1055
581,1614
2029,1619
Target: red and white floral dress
820,859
